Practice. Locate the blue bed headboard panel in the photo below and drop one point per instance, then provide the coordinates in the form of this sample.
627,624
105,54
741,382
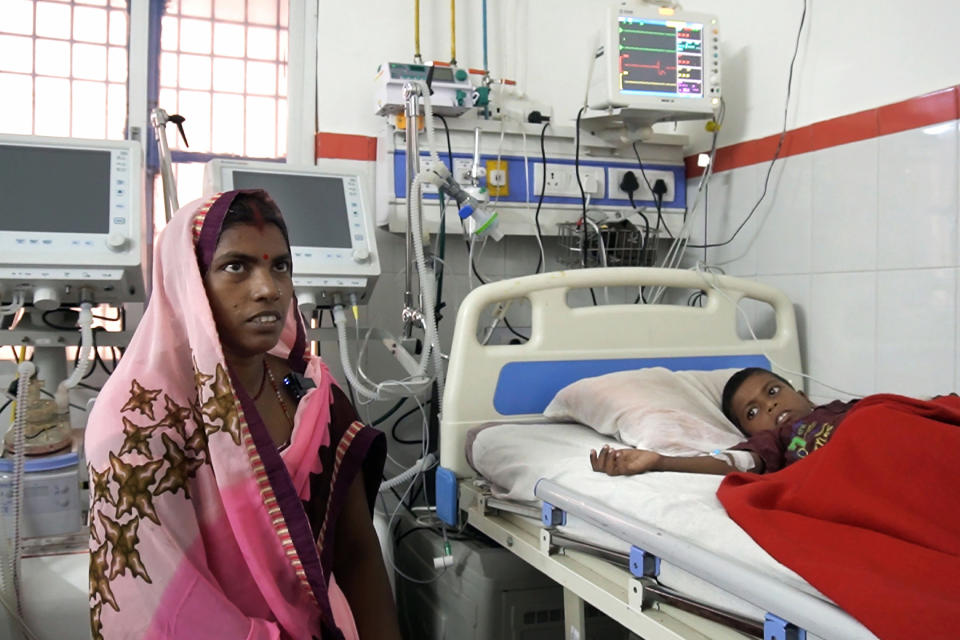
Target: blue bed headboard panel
528,387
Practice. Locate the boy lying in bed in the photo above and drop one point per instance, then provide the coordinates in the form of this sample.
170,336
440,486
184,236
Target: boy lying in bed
781,424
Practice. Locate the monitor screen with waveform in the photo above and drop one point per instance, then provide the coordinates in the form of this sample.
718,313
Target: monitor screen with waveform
661,57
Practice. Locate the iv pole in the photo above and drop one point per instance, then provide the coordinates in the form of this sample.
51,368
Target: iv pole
411,315
159,120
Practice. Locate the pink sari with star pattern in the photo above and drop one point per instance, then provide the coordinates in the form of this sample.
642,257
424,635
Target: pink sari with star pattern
197,523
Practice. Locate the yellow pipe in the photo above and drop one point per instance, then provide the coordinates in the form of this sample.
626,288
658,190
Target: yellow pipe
453,31
416,31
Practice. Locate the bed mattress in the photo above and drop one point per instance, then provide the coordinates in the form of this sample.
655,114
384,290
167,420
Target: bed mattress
514,457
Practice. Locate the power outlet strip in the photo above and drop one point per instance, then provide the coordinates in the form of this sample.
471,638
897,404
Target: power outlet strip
642,193
562,180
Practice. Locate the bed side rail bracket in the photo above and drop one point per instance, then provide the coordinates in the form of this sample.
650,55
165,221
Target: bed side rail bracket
643,564
551,516
448,507
776,628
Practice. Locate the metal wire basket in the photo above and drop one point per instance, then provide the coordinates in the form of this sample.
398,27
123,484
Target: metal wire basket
618,244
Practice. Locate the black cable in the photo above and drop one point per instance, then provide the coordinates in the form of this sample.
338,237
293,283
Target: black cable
442,235
543,190
13,349
97,360
505,321
392,410
514,331
58,327
776,153
449,146
396,424
657,198
353,399
5,405
643,247
583,199
646,223
406,533
399,499
439,266
583,194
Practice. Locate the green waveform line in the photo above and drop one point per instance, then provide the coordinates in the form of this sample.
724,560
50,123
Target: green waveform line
667,34
647,49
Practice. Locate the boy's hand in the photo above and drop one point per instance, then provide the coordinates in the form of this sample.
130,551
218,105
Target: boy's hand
623,462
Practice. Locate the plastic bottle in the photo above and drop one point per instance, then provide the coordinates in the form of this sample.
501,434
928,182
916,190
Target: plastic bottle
45,430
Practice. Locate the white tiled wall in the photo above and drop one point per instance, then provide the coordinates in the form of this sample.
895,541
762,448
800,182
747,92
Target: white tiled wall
863,237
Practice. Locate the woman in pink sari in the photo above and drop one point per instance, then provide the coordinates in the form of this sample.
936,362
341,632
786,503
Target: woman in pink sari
224,504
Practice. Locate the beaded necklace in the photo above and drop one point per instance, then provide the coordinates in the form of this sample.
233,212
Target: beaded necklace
276,390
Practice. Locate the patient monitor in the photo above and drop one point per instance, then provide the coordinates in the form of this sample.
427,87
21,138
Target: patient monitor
331,232
658,62
70,221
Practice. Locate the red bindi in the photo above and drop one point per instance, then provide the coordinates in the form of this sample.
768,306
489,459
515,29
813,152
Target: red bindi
266,257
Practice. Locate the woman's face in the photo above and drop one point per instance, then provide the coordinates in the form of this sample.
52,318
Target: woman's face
249,287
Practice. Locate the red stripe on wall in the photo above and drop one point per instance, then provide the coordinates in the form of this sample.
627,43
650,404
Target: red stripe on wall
922,111
345,146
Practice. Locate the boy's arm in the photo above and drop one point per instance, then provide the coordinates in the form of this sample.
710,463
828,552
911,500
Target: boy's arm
626,462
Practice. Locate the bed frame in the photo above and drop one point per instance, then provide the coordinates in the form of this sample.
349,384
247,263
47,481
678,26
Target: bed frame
516,382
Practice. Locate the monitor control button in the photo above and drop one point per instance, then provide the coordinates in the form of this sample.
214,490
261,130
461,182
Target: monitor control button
116,241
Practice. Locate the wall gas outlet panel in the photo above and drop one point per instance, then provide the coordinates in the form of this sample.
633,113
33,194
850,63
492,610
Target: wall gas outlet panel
511,173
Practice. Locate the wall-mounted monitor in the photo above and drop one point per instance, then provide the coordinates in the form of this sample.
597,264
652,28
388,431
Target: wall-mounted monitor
331,230
71,220
657,60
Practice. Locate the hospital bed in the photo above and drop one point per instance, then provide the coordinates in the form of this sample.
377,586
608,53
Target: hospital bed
655,552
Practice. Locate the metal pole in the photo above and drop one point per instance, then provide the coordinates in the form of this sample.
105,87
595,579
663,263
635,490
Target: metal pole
475,168
411,94
159,119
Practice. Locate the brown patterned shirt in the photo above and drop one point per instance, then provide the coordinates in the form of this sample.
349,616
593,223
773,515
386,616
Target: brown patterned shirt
790,442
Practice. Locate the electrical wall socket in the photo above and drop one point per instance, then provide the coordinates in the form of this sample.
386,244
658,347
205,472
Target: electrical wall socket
461,173
642,193
498,178
562,180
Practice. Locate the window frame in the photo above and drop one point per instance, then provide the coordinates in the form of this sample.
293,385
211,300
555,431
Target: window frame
144,89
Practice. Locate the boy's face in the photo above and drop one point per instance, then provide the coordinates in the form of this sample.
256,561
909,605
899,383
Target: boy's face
765,402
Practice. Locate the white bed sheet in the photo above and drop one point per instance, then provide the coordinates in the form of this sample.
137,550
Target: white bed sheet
513,457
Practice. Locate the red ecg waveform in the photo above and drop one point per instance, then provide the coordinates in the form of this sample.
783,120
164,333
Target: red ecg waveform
661,70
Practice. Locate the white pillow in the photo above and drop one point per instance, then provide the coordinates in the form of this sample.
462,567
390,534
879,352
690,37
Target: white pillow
670,412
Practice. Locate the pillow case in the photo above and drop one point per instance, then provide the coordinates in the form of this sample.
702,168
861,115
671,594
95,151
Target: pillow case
670,412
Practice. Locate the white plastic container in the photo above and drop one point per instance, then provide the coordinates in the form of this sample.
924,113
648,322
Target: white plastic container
51,495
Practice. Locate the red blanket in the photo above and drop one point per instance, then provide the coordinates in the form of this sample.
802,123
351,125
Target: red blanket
872,519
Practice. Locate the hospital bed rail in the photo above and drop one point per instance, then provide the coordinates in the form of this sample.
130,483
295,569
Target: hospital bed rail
802,609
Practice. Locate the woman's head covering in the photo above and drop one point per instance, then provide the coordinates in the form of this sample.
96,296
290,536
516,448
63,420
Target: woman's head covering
194,518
